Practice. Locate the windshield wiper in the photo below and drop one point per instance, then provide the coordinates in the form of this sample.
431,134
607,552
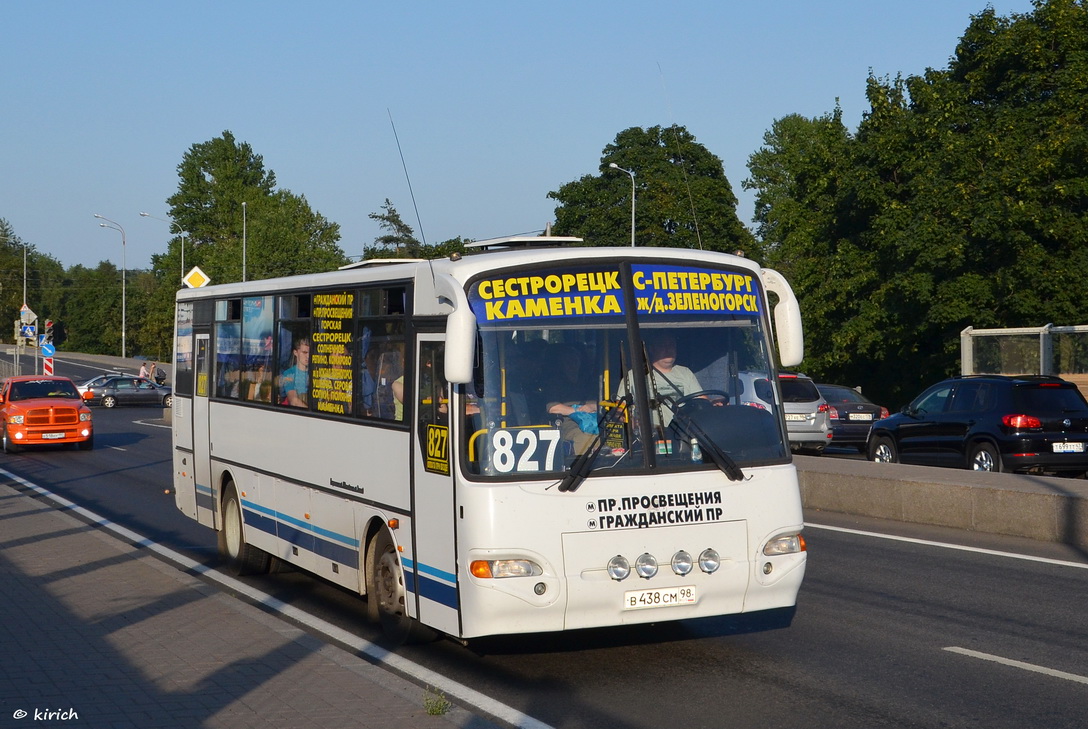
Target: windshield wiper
721,459
582,465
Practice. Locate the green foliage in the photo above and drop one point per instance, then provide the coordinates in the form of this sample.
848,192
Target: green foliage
279,232
399,239
435,702
962,199
682,196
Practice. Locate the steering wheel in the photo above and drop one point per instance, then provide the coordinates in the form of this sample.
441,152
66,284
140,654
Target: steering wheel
689,399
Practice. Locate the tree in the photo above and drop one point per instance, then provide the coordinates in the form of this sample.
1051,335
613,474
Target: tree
682,196
276,232
399,238
962,199
216,177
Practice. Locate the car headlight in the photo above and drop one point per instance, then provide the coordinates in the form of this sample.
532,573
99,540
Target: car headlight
15,419
84,417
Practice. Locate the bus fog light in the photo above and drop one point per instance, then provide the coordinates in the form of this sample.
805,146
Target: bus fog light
646,565
619,568
785,544
540,588
681,563
768,568
710,561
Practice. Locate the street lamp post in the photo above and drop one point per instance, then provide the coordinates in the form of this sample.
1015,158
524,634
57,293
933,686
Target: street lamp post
243,242
124,274
617,167
182,239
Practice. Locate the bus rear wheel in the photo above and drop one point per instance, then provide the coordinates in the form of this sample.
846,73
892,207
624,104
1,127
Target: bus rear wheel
241,558
387,596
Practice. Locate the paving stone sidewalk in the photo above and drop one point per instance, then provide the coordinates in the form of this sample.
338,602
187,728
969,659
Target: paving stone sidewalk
96,633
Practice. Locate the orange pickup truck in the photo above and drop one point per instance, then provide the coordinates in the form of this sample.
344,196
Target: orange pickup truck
43,411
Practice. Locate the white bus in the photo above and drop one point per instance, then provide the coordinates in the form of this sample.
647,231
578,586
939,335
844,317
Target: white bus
477,445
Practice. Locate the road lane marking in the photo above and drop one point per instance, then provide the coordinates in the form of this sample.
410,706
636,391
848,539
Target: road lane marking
468,697
946,545
1017,664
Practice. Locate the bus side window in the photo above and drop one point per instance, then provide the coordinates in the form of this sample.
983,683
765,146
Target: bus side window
432,405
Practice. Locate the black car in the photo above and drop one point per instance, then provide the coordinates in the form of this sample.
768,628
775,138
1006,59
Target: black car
128,390
990,423
852,414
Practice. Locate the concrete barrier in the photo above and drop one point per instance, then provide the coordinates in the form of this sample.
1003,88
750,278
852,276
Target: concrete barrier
1036,507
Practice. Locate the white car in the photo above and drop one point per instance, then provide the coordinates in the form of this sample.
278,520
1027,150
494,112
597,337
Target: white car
95,381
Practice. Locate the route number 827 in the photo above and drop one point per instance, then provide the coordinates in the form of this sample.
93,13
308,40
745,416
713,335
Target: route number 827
524,450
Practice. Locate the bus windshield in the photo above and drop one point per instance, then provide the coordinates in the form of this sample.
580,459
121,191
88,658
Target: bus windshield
612,367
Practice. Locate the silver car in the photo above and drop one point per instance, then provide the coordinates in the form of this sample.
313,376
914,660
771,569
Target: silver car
806,411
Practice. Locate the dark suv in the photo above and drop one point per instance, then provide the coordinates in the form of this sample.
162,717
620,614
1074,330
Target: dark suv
990,423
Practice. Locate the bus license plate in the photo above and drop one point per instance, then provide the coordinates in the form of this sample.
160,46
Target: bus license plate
1068,447
669,597
52,436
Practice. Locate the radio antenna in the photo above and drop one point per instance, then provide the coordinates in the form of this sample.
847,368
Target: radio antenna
419,222
679,154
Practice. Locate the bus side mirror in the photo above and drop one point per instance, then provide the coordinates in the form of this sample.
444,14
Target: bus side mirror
787,319
460,329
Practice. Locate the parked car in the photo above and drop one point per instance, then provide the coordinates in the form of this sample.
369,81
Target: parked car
851,414
807,423
43,411
83,385
990,423
129,390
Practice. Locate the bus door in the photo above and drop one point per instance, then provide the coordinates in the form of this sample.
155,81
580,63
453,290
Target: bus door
433,568
206,495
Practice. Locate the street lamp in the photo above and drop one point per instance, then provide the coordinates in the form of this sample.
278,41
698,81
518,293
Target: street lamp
149,215
124,274
243,242
615,166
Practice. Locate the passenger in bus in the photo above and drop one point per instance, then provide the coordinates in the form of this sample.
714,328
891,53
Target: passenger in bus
260,384
577,415
398,398
295,380
668,382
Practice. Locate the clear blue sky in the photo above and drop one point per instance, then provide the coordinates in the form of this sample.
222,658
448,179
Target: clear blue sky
495,103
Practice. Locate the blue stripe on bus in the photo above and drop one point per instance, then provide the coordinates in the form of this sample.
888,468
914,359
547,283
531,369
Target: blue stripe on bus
441,574
303,525
269,521
440,592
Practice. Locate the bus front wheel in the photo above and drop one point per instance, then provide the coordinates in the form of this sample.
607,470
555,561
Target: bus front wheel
241,558
386,595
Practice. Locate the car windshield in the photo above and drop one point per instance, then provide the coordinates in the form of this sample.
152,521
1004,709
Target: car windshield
584,386
33,389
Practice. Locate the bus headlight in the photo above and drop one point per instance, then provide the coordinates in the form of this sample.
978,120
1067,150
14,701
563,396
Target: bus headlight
646,565
503,568
785,544
710,561
619,568
681,563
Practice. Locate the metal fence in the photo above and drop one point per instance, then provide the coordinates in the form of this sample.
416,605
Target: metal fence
1045,350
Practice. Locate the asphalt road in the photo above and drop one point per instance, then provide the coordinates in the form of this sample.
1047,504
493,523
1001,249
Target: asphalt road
888,633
